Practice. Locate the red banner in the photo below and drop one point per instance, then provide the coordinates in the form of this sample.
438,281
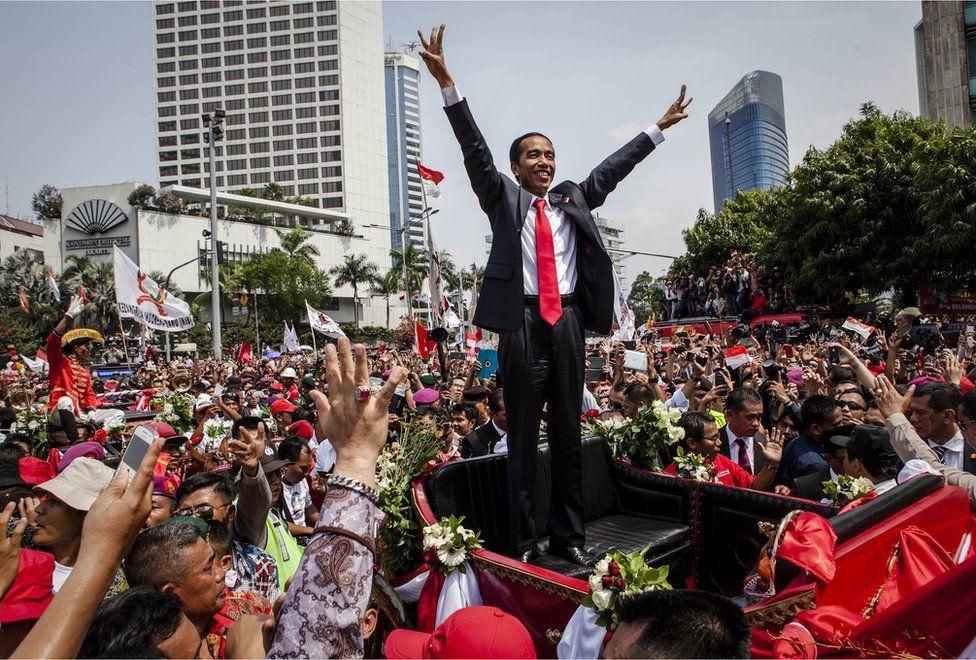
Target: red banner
940,302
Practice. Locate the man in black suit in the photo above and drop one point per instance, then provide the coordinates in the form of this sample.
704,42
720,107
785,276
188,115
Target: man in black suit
810,486
548,279
486,439
741,440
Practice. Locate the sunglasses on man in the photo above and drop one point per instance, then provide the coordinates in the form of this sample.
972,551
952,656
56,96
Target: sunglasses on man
202,511
850,405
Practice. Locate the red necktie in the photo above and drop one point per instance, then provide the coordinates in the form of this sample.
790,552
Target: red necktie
744,461
550,306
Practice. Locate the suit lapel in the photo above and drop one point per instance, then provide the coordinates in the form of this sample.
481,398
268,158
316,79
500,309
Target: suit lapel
524,200
968,458
724,449
758,460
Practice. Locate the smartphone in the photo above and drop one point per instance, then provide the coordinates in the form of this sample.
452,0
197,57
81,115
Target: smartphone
594,368
398,401
789,351
720,379
142,438
834,355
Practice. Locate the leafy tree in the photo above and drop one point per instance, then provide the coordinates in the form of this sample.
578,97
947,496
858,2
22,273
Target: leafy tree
646,299
47,202
355,270
169,203
142,197
471,275
287,278
384,287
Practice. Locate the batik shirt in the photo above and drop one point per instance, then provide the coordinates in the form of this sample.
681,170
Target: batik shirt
323,611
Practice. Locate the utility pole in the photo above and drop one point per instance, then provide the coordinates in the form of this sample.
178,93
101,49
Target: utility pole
215,131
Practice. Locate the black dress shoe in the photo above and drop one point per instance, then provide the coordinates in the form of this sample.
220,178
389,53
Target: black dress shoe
574,555
528,555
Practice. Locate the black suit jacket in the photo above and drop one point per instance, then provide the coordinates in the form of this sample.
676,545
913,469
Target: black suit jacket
758,460
501,302
480,442
968,458
810,486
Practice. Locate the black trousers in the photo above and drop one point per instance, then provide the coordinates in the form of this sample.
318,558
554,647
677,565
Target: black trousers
542,363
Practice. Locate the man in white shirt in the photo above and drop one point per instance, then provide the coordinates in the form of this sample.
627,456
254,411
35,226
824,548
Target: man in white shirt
933,414
870,455
548,278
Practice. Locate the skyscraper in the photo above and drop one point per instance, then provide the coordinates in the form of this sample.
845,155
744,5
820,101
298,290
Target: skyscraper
945,58
403,146
302,88
747,137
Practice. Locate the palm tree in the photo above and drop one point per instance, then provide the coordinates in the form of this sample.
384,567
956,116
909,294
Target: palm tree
355,270
448,269
418,265
386,286
295,243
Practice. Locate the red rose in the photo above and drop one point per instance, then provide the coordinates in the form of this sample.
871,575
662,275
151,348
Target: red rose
100,436
614,569
607,581
619,583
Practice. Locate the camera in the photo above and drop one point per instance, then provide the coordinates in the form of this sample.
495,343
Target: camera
776,334
872,353
740,332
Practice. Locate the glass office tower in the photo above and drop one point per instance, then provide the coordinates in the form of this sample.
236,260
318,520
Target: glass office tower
747,137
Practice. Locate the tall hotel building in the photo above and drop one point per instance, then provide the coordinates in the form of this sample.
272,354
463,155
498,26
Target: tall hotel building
403,146
303,89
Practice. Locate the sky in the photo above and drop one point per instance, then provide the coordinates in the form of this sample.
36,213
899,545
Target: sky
77,99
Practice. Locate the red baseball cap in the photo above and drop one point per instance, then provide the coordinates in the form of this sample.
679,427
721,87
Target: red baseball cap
30,594
302,429
471,632
281,406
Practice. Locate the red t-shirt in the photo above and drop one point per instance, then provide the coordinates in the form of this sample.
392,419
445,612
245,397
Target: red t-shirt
727,473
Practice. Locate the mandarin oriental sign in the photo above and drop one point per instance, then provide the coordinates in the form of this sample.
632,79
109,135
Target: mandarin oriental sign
94,226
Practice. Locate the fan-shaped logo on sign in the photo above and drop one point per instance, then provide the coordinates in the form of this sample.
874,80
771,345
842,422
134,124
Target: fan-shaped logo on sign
95,216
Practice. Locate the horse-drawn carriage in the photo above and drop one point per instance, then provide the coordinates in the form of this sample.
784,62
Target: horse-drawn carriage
901,560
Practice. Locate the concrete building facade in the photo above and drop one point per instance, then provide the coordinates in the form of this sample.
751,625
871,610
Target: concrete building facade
945,56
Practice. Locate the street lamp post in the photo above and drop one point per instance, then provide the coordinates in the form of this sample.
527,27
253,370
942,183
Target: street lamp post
215,131
166,288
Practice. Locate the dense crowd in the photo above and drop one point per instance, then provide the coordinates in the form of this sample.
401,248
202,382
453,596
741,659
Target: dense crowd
219,544
738,288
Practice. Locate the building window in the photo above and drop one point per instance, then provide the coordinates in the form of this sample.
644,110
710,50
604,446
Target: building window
258,102
210,63
329,19
210,77
328,110
326,81
188,65
168,170
332,203
332,171
281,99
332,187
237,164
326,5
212,48
282,129
189,79
305,38
308,188
189,124
302,23
329,95
187,6
308,127
261,177
234,74
167,141
165,52
280,10
237,15
168,111
253,58
236,134
281,70
284,175
308,158
164,24
257,72
257,42
236,149
328,65
188,35
278,55
166,126
189,94
236,180
257,117
236,104
331,156
259,148
259,132
304,113
190,168
231,90
233,60
331,125
255,87
281,115
211,92
165,97
330,140
305,97
237,44
164,9
279,85
167,155
190,138
188,21
278,26
284,145
187,154
305,67
257,12
306,143
165,38
208,19
304,82
281,40
189,108
302,53
282,161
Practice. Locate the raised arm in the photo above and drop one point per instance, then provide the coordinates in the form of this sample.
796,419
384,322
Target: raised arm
485,179
605,177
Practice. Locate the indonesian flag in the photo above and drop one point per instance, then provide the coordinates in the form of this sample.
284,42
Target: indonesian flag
244,353
856,326
430,179
736,357
24,304
424,345
81,292
472,340
621,310
53,285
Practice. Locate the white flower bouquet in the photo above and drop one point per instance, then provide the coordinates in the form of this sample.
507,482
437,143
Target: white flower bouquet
846,489
114,428
643,439
618,574
693,466
33,423
447,545
173,409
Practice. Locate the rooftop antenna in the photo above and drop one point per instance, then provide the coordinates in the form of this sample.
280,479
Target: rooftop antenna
389,43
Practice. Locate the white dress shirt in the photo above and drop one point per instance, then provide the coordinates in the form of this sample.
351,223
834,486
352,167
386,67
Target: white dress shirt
501,447
734,449
563,230
954,448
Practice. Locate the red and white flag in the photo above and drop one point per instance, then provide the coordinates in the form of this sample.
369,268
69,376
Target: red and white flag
856,326
24,304
81,292
430,179
424,345
472,341
736,357
53,285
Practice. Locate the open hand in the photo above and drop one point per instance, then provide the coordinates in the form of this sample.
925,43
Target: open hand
248,449
674,114
433,56
773,448
889,400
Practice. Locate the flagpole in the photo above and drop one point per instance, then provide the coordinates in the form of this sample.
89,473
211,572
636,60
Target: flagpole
257,329
311,326
125,347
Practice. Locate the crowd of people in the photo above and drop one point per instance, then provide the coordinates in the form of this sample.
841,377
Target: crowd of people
217,546
737,289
